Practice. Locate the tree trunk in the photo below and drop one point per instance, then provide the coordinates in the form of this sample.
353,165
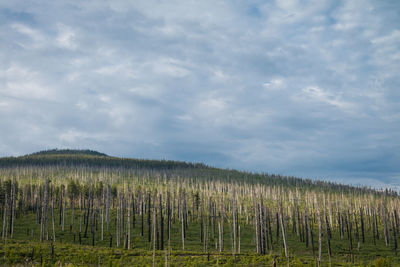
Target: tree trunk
161,224
4,233
129,221
183,230
319,234
52,219
362,225
149,218
283,231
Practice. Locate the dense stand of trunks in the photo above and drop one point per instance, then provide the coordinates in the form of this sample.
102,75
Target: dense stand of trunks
152,203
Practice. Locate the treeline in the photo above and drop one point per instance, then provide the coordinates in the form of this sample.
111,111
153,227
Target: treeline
92,159
69,152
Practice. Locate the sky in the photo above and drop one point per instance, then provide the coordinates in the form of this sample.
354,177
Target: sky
307,88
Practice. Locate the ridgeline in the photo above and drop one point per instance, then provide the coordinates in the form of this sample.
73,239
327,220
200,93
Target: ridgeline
90,158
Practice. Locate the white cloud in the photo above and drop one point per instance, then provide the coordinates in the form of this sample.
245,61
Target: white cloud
82,105
73,76
66,37
23,83
124,70
105,98
30,89
36,38
72,136
391,39
146,91
352,14
274,84
211,110
387,49
315,93
220,75
17,72
170,67
4,104
185,117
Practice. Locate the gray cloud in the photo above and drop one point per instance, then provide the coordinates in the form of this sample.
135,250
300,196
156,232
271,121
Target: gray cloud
292,87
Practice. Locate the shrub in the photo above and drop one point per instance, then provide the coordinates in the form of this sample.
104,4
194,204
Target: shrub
381,262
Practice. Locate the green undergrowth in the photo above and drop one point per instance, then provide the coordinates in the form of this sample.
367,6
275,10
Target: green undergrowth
31,253
24,248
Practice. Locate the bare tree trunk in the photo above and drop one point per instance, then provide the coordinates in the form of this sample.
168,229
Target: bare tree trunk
183,230
154,233
311,237
234,226
161,224
394,235
52,219
72,212
156,223
239,241
81,214
12,209
256,217
270,230
142,217
148,217
133,211
283,231
44,212
319,233
63,209
129,220
118,222
108,203
306,224
102,216
362,225
4,233
88,214
329,237
220,234
297,219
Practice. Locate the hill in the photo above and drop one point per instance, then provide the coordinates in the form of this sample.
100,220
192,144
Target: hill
83,207
90,158
94,159
68,152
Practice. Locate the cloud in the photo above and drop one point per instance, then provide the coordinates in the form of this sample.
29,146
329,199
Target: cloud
21,82
306,88
317,94
170,67
66,37
274,84
34,38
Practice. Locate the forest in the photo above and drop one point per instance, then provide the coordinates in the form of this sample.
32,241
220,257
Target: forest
84,208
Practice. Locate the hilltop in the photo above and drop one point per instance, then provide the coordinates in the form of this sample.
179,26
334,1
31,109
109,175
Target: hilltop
91,158
68,152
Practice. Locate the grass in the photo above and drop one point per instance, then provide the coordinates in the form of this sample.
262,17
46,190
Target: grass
48,254
24,248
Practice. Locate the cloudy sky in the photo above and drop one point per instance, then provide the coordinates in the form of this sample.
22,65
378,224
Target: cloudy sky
296,87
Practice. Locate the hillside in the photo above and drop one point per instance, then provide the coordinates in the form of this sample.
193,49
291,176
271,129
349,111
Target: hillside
94,159
82,207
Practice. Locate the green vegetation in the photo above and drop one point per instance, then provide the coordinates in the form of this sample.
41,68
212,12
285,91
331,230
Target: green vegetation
89,158
86,208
